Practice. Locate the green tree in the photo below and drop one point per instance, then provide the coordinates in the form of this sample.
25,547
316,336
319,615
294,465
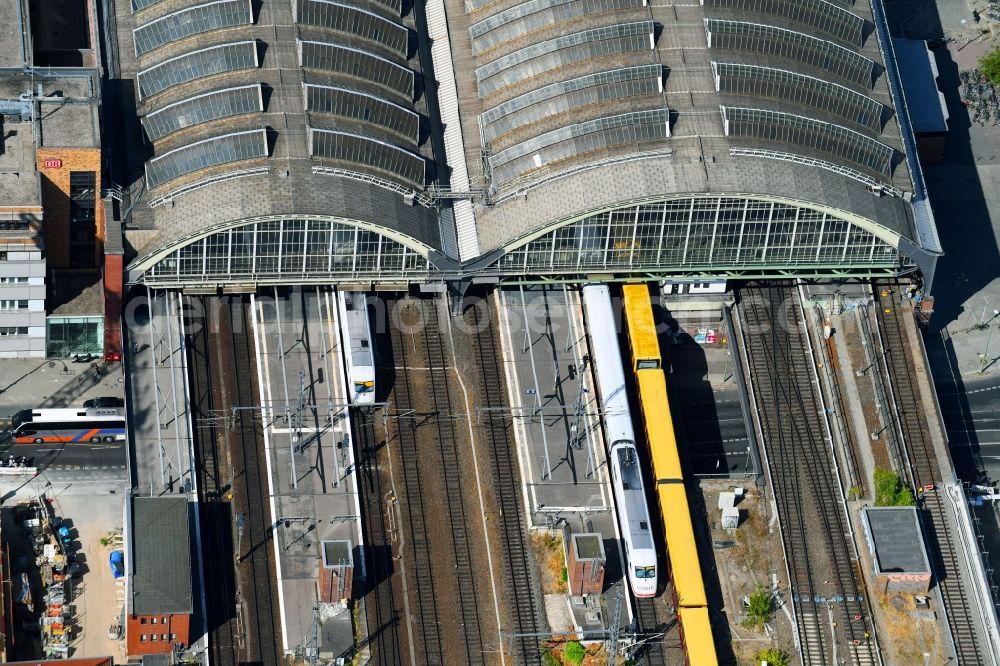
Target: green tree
574,652
773,657
890,491
990,66
760,609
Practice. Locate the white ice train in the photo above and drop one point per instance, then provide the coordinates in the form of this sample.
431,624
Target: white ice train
355,331
626,473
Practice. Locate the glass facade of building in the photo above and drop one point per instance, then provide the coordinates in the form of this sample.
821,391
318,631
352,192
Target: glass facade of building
74,335
286,251
82,221
712,234
725,236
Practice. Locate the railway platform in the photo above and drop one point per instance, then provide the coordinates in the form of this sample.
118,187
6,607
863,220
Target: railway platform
556,414
156,370
310,466
554,405
900,419
160,447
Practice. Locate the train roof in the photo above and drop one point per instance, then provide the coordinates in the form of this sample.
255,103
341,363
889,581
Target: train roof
681,547
699,643
660,434
634,499
607,361
355,315
640,323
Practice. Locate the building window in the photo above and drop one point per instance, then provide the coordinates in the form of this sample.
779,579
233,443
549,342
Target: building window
173,637
155,620
142,620
163,637
142,638
13,305
82,221
74,335
13,280
13,330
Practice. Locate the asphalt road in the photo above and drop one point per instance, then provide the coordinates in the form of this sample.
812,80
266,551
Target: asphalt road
715,435
80,454
972,419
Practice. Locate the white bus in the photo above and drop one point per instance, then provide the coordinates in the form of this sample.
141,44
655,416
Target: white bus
39,426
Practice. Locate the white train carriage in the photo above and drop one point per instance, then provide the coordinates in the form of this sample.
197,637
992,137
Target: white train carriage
355,331
626,473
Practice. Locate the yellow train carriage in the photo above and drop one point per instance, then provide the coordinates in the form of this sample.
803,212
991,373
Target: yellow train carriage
699,645
641,327
659,426
689,587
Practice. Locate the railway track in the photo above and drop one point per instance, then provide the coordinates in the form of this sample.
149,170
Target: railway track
519,574
649,623
427,639
215,512
926,473
384,631
451,466
257,572
830,611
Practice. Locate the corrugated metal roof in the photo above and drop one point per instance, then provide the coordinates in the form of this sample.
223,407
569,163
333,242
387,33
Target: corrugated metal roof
454,144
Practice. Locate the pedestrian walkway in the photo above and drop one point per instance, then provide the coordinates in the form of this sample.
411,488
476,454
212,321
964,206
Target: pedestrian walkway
310,462
158,397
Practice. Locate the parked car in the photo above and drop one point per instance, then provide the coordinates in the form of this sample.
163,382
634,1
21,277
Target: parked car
105,402
117,562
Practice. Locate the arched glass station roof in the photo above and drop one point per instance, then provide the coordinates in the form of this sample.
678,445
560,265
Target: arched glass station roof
745,137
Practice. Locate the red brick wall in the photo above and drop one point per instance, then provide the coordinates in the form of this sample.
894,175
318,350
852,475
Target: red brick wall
329,582
584,576
55,200
137,627
113,267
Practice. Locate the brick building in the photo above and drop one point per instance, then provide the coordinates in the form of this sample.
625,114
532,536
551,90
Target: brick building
50,177
158,567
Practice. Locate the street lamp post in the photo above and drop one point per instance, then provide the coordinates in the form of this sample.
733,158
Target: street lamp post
984,358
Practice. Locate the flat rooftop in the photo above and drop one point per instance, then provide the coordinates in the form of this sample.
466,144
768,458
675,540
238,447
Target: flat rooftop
928,111
68,106
19,190
19,184
898,541
10,35
69,125
160,567
79,85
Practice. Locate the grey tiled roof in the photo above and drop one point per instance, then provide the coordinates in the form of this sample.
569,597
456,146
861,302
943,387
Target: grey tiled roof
161,556
898,541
